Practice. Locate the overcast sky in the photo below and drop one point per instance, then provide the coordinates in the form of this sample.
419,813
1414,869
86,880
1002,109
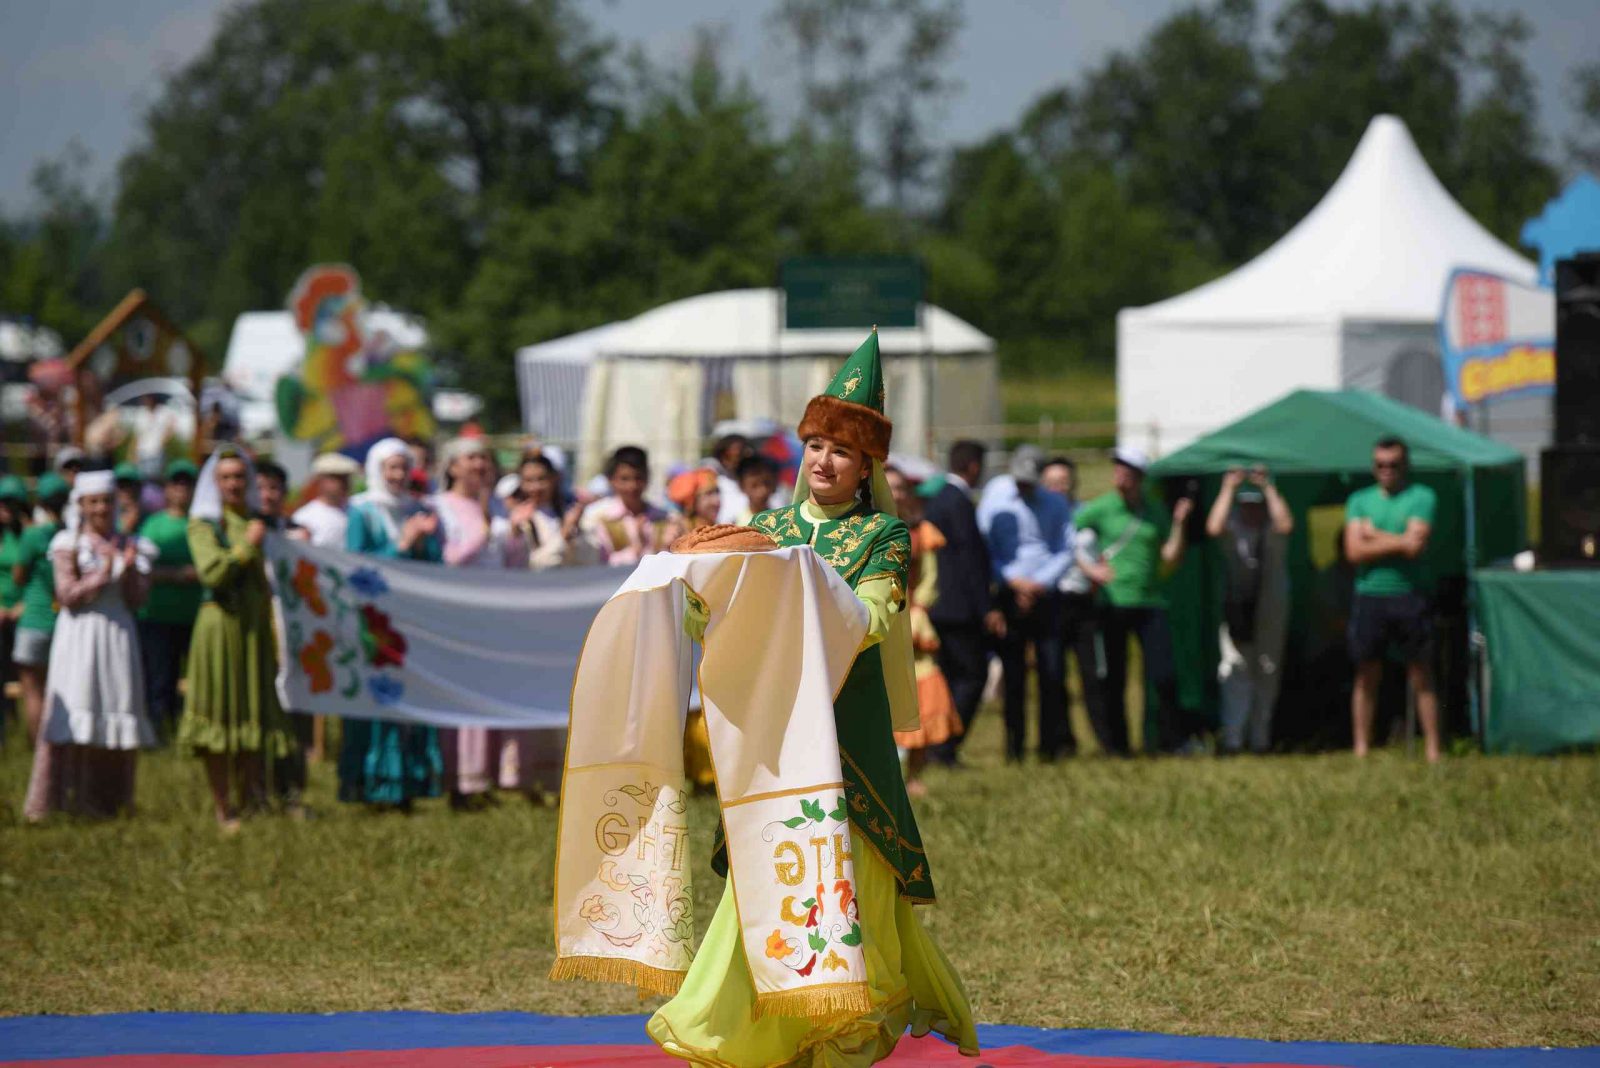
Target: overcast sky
88,68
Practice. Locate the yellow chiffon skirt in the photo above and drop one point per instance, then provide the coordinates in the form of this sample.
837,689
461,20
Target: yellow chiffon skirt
712,1019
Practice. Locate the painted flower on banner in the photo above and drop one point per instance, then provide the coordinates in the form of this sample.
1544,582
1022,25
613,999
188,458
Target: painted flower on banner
305,584
386,690
597,911
368,582
314,661
384,645
778,947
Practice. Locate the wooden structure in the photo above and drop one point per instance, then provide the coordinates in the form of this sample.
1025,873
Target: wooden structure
135,340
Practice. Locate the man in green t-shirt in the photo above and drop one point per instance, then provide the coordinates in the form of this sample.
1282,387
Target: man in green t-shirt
13,519
1137,545
30,650
1386,529
166,622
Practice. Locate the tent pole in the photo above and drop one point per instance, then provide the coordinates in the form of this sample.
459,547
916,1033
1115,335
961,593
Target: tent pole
1474,694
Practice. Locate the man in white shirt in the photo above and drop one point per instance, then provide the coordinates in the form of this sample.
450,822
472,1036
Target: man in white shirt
327,517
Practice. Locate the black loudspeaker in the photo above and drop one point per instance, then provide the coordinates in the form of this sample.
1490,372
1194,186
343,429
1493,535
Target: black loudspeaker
1578,350
1569,505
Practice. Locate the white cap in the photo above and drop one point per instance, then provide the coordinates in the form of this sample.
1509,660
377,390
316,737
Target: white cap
335,463
1129,456
507,485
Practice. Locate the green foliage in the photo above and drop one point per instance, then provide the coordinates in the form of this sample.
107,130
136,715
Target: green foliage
493,166
52,265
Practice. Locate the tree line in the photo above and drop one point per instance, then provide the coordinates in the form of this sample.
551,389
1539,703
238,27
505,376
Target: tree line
498,167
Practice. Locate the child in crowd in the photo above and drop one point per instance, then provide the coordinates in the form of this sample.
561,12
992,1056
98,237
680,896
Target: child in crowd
758,480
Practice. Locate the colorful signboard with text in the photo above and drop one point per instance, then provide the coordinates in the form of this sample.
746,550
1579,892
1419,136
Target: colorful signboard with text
1497,338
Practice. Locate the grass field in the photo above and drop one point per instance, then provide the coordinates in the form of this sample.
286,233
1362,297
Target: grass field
1289,897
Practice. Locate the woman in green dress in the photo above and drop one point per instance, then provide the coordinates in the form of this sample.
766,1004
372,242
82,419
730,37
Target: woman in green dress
843,509
231,715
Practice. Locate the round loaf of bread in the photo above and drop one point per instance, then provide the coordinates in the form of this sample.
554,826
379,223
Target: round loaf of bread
723,538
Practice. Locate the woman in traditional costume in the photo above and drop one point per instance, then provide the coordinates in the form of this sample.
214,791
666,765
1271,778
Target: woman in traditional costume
94,711
937,719
231,715
843,509
384,764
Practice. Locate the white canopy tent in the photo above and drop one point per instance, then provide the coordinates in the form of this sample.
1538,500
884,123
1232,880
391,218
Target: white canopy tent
1350,297
665,378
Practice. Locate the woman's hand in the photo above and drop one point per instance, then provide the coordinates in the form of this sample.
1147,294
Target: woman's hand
571,521
522,514
416,528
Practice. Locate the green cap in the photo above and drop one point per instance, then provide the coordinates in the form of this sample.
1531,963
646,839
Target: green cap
860,380
51,486
13,488
181,469
126,472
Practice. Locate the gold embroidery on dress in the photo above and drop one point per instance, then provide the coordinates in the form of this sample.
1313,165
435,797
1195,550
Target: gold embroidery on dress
847,537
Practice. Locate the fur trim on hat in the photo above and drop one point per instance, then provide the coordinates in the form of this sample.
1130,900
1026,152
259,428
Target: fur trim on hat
854,424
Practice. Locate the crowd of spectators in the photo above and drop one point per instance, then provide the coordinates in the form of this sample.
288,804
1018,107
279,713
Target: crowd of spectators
116,586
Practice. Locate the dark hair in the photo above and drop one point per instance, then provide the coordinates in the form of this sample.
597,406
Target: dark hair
728,441
756,465
1060,461
628,456
274,470
1393,441
965,453
541,460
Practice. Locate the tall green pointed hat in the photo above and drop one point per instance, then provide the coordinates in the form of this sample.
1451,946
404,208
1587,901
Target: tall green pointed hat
851,408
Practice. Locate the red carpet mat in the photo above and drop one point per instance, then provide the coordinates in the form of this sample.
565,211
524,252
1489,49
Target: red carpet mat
519,1040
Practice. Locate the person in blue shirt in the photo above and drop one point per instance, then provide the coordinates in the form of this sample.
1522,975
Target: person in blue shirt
1027,530
1080,605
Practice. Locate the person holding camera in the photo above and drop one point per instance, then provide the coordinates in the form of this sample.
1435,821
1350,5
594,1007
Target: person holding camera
1251,523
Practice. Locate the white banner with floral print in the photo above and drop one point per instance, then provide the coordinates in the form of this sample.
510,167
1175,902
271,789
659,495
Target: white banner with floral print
780,632
371,638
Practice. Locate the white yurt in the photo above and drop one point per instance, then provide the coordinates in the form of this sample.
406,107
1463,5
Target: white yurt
664,378
1349,298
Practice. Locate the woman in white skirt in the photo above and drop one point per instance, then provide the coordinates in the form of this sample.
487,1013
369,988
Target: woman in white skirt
94,719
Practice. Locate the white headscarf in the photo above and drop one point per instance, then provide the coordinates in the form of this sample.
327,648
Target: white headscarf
208,498
389,506
87,484
455,450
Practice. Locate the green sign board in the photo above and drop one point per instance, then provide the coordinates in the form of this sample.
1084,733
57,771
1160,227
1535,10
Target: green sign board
822,293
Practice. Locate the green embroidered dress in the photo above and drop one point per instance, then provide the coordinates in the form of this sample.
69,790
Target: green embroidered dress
711,1020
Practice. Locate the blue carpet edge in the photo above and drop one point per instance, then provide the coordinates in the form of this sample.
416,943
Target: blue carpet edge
58,1037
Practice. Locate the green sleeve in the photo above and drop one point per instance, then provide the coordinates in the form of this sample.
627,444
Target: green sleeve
1089,517
1356,506
216,564
882,585
32,547
1425,504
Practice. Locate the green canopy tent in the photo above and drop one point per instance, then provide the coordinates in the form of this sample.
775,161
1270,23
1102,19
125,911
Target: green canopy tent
1318,447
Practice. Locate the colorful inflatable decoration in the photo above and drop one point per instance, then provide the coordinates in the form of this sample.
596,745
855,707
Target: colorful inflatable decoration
353,388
